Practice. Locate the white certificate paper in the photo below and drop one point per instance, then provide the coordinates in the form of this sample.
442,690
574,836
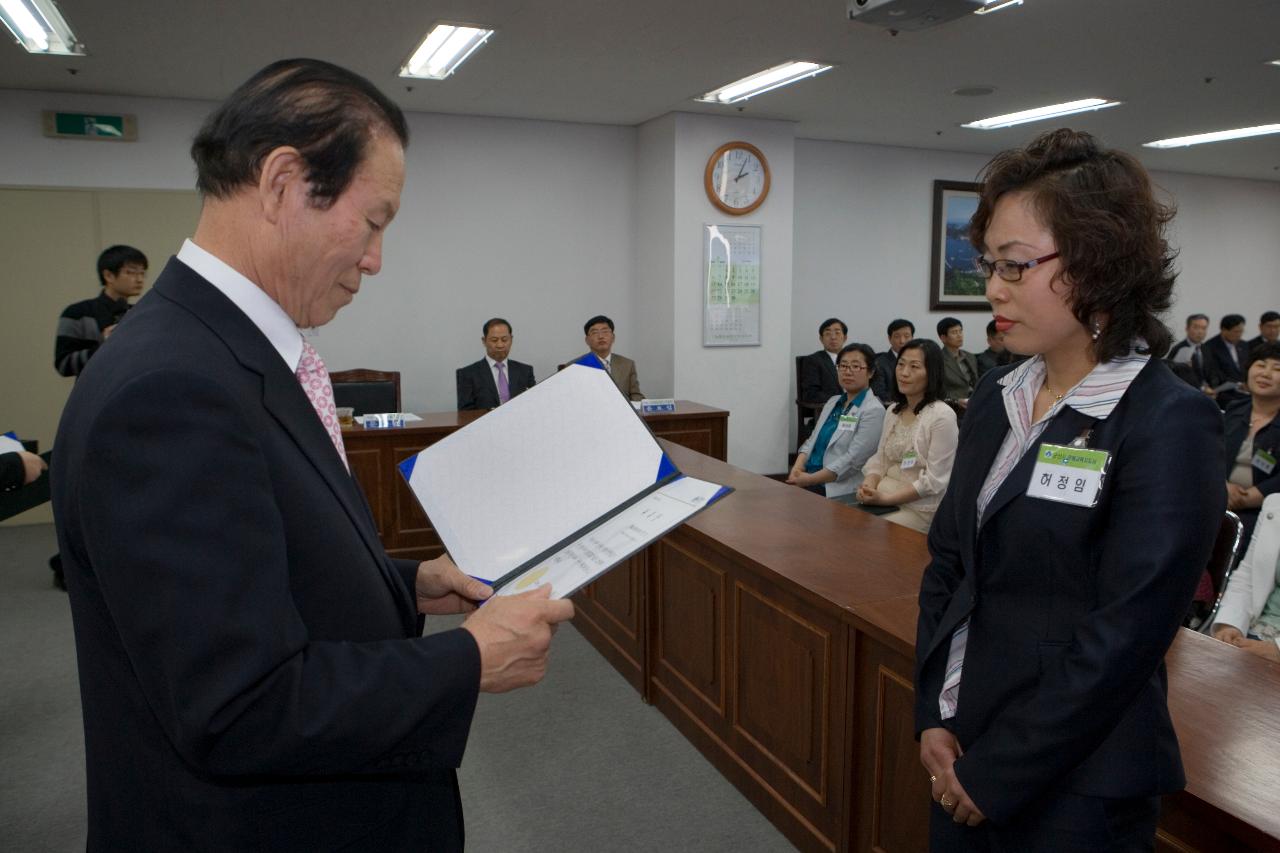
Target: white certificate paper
594,553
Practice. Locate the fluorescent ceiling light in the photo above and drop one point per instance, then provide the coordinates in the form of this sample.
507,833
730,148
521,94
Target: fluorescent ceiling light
1041,113
445,48
995,6
1274,62
39,27
1216,136
756,84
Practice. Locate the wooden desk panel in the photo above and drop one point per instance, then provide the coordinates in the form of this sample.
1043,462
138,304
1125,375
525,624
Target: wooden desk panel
780,641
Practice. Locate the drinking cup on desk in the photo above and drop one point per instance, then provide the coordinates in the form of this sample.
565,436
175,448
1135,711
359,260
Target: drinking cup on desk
346,417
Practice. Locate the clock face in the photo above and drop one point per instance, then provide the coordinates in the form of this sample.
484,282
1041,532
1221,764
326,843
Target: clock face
737,178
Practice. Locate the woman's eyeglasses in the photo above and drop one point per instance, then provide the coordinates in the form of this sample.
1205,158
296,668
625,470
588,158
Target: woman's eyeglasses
1007,270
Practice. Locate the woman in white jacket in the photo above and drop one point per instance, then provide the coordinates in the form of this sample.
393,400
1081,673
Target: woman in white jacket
912,466
1250,614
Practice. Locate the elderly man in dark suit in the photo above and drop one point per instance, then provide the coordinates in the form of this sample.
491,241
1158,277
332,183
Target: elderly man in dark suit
252,669
494,379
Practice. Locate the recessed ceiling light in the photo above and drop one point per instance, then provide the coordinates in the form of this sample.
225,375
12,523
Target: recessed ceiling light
1041,113
995,6
445,48
1215,136
767,80
39,27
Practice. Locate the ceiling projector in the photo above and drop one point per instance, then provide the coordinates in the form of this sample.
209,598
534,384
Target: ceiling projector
909,15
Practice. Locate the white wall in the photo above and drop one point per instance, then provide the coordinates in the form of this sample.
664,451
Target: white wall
862,223
548,223
532,221
748,381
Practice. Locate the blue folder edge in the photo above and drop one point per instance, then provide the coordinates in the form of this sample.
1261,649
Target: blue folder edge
12,435
406,467
590,360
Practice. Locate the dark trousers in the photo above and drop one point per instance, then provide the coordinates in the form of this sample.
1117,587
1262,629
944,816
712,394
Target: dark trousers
1060,823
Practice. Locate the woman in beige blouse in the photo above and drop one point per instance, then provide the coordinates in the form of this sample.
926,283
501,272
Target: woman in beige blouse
912,465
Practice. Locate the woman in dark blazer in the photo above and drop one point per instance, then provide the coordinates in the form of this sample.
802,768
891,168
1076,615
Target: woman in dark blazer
1252,438
1082,508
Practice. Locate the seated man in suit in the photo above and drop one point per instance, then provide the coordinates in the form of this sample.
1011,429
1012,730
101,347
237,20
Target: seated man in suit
819,380
1225,358
494,379
995,351
252,666
1188,355
884,381
599,332
1268,329
959,368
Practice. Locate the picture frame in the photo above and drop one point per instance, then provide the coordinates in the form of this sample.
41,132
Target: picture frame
954,285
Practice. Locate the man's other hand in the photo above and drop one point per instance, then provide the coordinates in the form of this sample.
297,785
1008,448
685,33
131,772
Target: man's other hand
514,636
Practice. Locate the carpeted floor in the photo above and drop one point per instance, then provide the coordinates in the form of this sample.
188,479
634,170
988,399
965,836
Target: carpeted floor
577,763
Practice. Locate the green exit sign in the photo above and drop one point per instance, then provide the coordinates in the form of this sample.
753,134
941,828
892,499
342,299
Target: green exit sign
112,128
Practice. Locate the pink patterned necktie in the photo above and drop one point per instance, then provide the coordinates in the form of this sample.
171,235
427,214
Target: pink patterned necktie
504,387
319,390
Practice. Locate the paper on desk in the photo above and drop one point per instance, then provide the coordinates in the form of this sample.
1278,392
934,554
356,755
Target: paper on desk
10,444
538,470
616,539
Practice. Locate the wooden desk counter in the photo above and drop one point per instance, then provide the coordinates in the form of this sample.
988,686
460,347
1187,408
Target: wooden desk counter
407,532
776,630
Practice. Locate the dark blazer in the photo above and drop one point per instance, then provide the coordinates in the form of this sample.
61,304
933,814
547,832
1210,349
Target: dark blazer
1235,429
819,380
956,385
1195,364
884,382
12,471
1219,367
1071,609
478,390
250,667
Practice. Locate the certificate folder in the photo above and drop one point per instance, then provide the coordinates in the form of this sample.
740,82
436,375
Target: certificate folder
556,487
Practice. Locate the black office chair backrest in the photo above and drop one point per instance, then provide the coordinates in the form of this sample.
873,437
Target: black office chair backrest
1222,561
367,391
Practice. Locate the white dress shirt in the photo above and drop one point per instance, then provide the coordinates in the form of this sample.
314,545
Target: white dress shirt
261,309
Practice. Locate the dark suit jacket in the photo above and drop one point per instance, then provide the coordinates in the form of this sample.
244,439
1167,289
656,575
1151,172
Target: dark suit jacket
884,382
1219,367
819,380
250,666
1196,365
478,390
956,385
1235,428
1071,609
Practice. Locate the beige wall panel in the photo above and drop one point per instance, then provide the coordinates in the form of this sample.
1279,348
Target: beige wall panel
50,240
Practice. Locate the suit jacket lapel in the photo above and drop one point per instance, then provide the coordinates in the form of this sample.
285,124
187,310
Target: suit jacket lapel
282,396
483,366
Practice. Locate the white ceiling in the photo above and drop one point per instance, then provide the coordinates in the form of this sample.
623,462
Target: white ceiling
1180,66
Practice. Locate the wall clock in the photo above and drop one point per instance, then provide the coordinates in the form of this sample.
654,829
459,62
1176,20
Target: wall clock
737,178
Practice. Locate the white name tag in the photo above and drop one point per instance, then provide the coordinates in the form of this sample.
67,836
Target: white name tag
1264,461
651,407
1070,475
847,423
909,460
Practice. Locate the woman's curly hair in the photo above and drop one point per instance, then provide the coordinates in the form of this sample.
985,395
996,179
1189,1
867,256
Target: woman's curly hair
1109,229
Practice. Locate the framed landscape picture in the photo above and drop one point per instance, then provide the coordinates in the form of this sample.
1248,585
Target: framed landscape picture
954,284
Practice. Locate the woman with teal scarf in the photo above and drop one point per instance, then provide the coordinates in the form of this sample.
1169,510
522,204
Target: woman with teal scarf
848,432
